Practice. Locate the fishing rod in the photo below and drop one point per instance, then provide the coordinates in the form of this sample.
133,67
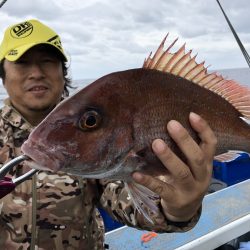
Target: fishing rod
243,50
2,3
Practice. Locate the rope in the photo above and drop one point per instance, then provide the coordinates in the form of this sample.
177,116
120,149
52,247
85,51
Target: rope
243,50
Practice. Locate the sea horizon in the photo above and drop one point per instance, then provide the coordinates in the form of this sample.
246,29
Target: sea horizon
241,75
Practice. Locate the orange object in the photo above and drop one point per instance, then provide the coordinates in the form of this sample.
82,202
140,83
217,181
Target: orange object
148,236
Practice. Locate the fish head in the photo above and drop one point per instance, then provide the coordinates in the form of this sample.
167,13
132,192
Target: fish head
89,132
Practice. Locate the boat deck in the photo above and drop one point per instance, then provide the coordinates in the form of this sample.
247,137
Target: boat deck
225,216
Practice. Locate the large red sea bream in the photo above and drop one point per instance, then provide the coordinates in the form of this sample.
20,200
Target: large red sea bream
106,129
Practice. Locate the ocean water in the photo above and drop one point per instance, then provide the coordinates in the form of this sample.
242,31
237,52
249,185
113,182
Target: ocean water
242,75
3,94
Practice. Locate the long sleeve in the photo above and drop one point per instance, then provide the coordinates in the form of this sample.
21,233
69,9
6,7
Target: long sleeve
116,201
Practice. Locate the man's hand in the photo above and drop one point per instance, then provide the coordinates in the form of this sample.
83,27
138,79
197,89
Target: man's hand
186,184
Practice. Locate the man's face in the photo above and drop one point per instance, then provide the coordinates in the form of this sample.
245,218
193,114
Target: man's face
35,81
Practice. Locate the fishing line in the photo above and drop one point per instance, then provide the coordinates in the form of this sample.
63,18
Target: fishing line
242,48
2,3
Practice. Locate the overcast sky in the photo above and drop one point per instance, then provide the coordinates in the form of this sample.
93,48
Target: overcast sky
104,36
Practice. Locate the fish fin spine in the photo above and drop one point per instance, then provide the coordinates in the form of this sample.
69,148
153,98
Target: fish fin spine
142,198
182,64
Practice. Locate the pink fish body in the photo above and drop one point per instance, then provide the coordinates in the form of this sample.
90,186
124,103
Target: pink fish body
106,129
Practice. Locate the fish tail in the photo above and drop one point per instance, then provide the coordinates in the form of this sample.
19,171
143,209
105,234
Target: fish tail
143,199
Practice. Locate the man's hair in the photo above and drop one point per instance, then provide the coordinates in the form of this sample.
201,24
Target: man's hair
65,69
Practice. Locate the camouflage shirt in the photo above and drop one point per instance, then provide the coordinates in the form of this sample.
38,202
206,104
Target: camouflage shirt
58,211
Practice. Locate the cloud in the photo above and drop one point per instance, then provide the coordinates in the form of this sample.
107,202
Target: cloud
105,36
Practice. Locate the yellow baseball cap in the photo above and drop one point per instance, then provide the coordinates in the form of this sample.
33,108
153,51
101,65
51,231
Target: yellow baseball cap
20,37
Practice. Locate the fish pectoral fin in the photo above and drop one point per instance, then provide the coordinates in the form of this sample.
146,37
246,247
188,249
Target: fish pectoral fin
144,199
229,156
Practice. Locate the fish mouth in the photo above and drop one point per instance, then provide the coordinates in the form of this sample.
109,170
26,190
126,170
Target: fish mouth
34,165
51,159
43,161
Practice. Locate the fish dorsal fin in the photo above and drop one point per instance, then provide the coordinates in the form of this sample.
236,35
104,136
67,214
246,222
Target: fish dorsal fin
182,64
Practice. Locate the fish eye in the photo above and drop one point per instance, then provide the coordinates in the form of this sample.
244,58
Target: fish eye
90,120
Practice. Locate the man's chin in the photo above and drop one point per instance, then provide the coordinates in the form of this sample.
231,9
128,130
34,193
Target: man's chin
41,108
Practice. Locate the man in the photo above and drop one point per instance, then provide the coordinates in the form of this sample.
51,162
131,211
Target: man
58,211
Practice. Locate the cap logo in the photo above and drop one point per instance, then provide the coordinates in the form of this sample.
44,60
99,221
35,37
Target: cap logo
21,30
13,52
56,41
